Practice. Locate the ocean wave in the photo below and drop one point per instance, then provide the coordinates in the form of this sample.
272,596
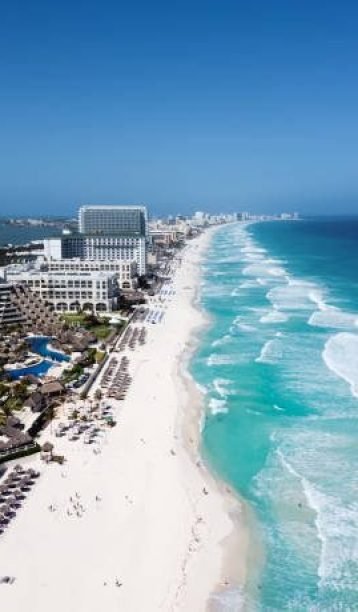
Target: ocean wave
218,406
249,284
264,269
220,385
333,317
250,247
215,359
201,388
235,292
278,408
240,324
271,352
340,354
295,295
337,531
245,327
220,341
262,281
274,316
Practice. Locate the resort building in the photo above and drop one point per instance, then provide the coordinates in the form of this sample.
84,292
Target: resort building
125,271
126,249
98,220
106,234
9,313
67,291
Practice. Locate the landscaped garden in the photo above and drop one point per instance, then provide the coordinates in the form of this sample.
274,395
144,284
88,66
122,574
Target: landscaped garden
98,326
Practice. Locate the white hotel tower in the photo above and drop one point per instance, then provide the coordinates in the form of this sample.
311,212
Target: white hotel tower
106,233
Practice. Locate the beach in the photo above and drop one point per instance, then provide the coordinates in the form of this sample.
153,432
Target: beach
140,524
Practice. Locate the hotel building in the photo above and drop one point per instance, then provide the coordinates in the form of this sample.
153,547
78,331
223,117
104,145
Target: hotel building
125,271
66,291
106,234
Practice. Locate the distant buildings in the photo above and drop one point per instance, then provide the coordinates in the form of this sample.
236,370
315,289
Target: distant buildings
86,269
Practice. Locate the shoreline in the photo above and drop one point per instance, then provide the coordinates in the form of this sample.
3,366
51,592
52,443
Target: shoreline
234,547
156,531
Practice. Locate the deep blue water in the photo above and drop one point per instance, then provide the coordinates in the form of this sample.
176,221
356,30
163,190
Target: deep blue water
39,345
279,365
12,234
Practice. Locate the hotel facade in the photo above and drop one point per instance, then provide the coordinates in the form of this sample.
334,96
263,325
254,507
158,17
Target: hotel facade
66,291
106,234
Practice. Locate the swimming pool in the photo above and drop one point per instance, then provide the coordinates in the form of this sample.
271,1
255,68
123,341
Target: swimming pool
39,345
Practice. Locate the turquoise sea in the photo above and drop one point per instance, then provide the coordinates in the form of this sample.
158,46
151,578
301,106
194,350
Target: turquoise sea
279,368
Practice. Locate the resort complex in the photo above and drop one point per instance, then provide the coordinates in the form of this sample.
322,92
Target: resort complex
78,324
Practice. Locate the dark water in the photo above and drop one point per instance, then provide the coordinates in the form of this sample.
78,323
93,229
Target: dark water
10,234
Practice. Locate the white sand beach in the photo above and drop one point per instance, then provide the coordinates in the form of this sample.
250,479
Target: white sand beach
147,528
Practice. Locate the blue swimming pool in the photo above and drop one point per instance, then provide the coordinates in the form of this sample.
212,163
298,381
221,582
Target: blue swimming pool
39,345
37,370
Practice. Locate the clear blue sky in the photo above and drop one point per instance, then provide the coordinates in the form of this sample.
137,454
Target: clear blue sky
182,105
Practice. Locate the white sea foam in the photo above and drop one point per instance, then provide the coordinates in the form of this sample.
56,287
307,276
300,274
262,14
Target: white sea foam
336,529
251,248
252,257
239,323
218,406
334,318
220,341
271,352
249,284
264,269
215,359
202,388
340,354
278,408
235,292
295,295
274,316
338,533
220,385
229,600
245,327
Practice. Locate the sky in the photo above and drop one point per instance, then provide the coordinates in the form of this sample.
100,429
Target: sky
192,105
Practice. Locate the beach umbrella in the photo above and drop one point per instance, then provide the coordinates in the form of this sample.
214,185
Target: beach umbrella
10,483
25,484
4,491
6,510
13,502
47,447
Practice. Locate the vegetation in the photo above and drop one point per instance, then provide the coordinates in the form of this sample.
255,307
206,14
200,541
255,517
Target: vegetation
73,374
100,355
98,326
13,397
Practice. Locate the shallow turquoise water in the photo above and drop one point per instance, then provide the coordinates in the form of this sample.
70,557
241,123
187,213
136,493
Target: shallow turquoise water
279,366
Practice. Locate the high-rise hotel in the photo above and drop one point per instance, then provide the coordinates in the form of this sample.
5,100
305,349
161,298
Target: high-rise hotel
106,233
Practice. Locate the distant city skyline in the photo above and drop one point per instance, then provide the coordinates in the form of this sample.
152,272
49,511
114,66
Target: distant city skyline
220,106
